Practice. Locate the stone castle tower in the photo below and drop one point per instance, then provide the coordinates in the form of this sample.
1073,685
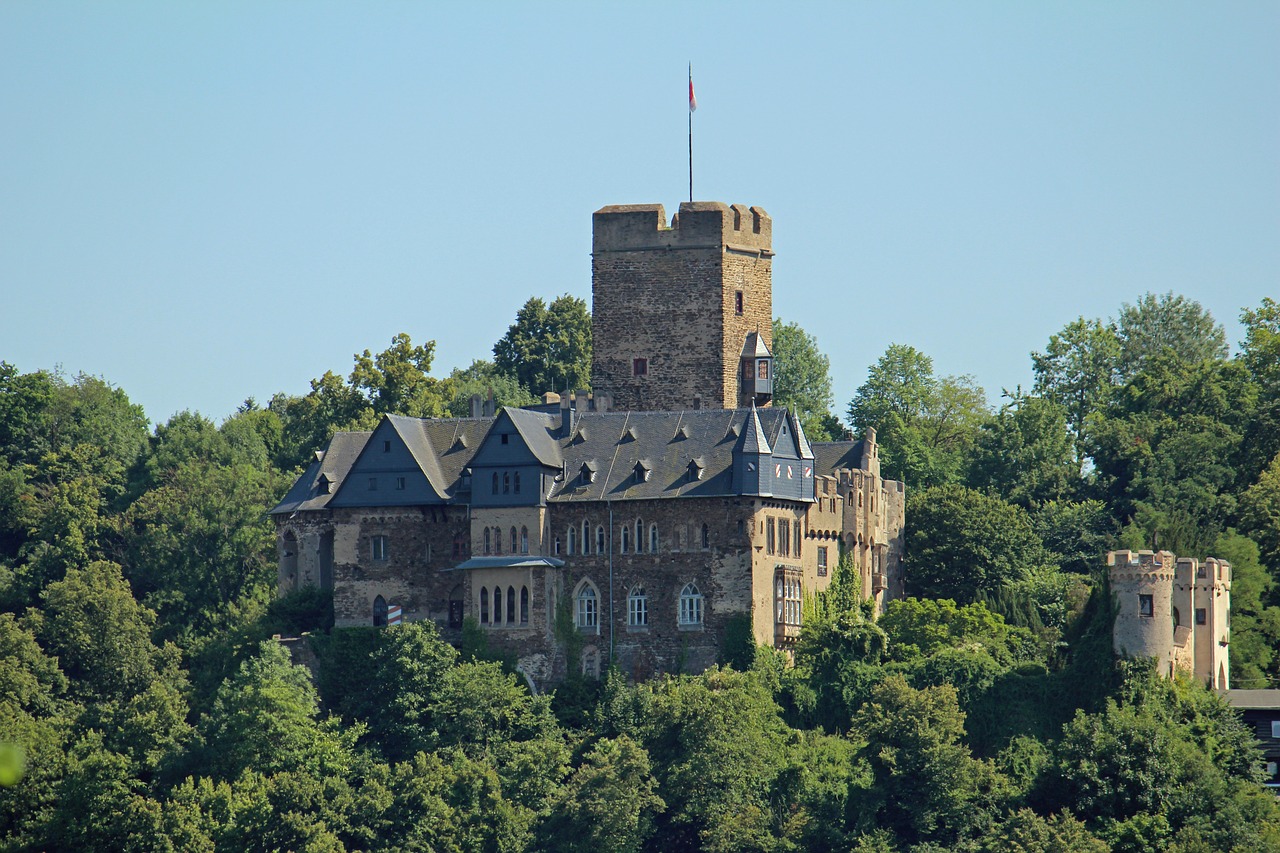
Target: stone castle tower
1175,610
682,314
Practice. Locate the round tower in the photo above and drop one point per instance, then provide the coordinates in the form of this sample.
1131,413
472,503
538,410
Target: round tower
1142,588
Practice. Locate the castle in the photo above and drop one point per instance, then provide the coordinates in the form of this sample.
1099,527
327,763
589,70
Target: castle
1175,610
648,519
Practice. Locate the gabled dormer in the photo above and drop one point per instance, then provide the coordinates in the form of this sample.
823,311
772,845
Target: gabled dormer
516,461
396,467
792,470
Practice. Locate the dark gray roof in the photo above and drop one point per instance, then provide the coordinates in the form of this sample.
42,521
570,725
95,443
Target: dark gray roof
414,433
1254,699
666,443
830,456
538,431
334,463
754,440
455,441
513,561
755,347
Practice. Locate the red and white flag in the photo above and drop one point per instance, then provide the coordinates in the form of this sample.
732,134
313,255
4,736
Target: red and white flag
693,102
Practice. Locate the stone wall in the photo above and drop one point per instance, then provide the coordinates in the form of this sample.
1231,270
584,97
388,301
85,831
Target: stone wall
669,294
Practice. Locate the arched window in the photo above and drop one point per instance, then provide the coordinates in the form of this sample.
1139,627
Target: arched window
623,541
600,539
586,538
511,604
588,612
639,536
497,540
706,537
380,611
495,482
780,596
524,605
497,605
637,608
484,605
524,540
515,543
506,482
569,541
690,605
653,538
488,541
555,546
517,483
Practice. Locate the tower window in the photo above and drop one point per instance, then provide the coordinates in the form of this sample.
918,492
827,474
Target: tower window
763,369
506,438
378,546
640,367
400,484
1146,606
1200,615
737,302
386,447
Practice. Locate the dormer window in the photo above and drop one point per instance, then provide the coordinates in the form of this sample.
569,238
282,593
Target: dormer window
324,484
641,473
695,470
588,472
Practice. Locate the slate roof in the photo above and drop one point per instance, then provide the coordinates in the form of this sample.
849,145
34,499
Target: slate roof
334,463
513,561
665,443
538,431
830,456
1266,700
684,454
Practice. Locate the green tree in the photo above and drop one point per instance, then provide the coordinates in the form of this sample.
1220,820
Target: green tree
963,543
1260,514
483,378
926,423
199,548
1078,370
266,718
1079,533
802,380
548,347
101,635
1025,455
921,627
396,381
927,787
417,662
1255,627
1156,323
607,804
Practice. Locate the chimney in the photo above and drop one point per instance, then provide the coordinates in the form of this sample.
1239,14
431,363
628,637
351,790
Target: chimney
566,417
477,407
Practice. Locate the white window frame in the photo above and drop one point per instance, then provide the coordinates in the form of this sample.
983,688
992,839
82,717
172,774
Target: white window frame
380,548
692,610
637,608
587,608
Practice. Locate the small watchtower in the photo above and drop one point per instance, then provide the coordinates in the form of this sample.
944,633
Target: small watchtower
1175,610
673,305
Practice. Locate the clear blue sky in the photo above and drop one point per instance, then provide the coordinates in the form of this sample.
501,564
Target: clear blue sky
202,202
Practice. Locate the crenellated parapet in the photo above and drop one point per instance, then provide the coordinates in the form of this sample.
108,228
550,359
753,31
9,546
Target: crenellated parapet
697,225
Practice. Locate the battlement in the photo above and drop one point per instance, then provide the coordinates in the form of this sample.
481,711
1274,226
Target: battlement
697,225
1140,559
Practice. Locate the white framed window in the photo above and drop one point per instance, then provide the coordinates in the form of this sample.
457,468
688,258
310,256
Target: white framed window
822,561
1275,728
379,546
690,605
588,608
637,608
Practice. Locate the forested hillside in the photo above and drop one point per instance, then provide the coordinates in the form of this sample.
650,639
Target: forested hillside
145,706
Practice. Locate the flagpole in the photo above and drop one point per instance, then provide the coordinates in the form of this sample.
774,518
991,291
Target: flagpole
691,133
